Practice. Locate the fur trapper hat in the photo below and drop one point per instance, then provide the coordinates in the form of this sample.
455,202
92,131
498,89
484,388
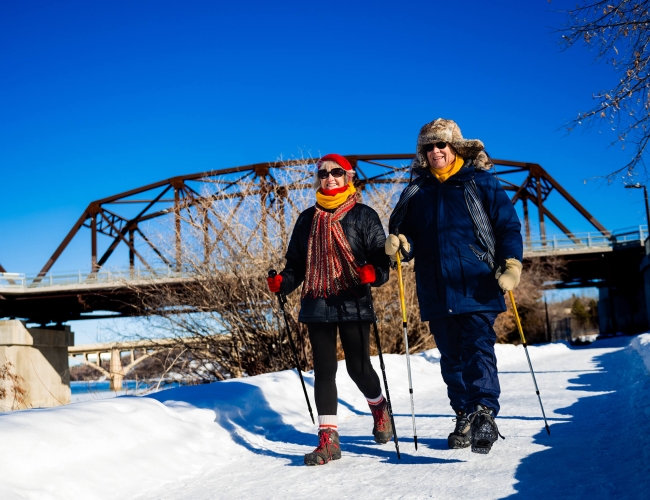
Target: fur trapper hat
448,131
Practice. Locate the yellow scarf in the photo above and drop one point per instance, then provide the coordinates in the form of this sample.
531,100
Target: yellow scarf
330,202
445,173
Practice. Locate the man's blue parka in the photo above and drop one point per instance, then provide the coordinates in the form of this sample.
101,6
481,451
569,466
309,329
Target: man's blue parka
450,277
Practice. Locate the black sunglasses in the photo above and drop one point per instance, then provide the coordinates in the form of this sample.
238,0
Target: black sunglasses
439,145
336,173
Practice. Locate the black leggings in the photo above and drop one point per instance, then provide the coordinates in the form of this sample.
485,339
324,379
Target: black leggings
354,339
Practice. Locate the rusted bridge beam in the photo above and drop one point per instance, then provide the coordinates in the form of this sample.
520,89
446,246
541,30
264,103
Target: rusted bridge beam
537,184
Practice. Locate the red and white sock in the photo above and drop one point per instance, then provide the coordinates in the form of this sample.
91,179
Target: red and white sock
376,401
328,422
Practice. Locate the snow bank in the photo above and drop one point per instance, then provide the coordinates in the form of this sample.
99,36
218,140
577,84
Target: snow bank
641,344
509,354
121,445
245,438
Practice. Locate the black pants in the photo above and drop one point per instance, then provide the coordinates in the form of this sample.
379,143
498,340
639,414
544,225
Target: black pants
354,339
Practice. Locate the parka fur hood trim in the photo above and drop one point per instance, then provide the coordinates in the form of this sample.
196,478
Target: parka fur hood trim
441,129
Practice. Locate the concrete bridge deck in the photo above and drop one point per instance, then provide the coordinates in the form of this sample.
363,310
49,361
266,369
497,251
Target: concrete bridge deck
18,283
57,298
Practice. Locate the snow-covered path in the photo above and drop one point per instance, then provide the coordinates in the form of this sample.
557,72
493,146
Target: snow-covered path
245,438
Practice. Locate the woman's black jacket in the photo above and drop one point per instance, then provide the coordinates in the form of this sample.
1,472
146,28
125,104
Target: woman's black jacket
363,229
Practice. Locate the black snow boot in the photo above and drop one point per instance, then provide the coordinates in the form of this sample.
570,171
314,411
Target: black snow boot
460,437
382,430
328,448
484,431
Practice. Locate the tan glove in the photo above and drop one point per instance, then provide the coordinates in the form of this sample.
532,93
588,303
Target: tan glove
393,243
508,278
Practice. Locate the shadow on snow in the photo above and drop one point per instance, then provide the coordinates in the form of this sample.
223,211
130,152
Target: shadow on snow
244,412
600,452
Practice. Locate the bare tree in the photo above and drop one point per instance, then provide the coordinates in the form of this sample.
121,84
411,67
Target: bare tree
389,316
220,311
619,30
226,322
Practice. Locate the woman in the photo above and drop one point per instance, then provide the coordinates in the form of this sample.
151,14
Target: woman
336,250
456,220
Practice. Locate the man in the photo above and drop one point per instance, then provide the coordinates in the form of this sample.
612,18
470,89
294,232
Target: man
459,225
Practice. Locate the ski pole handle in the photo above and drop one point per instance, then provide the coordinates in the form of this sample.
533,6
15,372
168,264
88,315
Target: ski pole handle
281,297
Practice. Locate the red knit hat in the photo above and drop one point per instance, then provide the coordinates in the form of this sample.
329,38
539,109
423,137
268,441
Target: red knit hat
341,160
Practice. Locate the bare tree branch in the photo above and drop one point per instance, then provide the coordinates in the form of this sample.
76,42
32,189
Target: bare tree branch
225,321
620,32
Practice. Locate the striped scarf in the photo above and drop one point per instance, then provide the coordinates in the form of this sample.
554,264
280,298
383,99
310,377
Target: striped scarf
482,224
331,265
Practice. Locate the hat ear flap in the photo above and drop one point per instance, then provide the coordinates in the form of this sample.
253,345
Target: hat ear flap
483,161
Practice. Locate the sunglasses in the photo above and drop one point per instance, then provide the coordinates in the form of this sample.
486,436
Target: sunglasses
335,172
439,145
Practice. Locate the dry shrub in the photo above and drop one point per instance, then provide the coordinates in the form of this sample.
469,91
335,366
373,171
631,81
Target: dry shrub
528,295
12,392
219,309
226,321
226,326
85,372
389,315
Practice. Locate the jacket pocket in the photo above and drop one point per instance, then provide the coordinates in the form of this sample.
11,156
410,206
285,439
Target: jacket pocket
478,279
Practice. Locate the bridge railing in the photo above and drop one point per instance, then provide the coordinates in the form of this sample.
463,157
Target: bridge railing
20,280
582,241
633,233
12,280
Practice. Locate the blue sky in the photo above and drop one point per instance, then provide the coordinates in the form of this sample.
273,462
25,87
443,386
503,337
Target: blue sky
102,97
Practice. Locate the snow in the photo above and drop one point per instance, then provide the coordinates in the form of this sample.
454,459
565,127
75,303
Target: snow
642,345
245,438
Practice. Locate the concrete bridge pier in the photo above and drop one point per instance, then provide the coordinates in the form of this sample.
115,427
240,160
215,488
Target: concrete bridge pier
622,310
116,370
36,361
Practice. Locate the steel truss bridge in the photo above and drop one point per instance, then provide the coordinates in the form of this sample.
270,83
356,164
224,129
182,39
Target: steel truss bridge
126,221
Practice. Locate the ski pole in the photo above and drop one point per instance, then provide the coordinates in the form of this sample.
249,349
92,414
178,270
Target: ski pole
406,342
383,372
523,340
282,299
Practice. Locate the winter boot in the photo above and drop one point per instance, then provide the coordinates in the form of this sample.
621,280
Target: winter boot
484,431
460,437
382,429
328,448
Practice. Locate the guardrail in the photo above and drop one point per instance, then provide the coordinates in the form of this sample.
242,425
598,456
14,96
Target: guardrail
588,240
12,280
23,281
634,233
